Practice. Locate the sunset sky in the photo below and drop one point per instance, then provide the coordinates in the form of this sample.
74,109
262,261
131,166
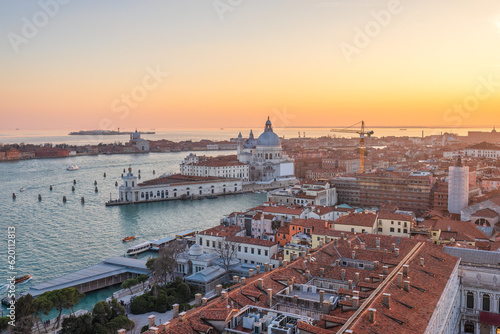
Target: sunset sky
229,63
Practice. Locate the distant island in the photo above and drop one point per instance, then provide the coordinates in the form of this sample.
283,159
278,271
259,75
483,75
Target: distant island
104,133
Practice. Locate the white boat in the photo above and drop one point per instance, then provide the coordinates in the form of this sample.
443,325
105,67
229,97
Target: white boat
22,189
143,247
72,167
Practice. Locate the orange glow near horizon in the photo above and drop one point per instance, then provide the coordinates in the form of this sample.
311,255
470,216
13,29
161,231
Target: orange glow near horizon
263,59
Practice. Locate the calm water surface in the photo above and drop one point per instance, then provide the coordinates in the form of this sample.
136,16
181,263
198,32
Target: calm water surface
55,238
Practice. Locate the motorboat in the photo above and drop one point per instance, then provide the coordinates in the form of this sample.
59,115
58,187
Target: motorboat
22,189
22,279
128,238
72,167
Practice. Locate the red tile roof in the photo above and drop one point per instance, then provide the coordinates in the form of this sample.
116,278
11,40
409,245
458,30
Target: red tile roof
357,219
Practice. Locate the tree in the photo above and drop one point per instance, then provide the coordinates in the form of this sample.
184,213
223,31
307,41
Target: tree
166,262
25,309
42,305
62,299
129,283
142,279
101,313
77,325
227,252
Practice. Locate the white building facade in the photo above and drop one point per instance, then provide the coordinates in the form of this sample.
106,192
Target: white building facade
194,166
174,187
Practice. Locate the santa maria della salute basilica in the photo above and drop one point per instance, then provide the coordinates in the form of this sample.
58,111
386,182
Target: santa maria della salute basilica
264,156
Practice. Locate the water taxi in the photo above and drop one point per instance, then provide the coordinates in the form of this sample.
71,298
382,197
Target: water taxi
128,238
143,247
22,189
72,167
21,279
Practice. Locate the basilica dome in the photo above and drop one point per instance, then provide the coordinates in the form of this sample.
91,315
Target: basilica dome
268,137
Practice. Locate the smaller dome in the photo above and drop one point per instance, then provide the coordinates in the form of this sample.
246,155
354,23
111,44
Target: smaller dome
196,250
493,131
136,135
240,136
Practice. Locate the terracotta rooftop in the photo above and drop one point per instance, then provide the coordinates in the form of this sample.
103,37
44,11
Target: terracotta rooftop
394,216
222,231
357,219
486,213
252,241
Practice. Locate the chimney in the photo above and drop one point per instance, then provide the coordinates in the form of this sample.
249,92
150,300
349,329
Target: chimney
182,316
151,321
367,280
386,300
218,290
293,280
197,299
353,254
400,280
335,242
407,286
378,248
251,272
355,293
321,296
405,270
176,310
270,297
393,246
224,295
321,272
356,279
321,243
285,263
372,315
259,282
236,279
377,242
349,282
355,302
342,274
337,262
396,252
266,267
362,245
376,264
385,269
422,261
309,257
243,280
257,270
204,301
341,235
326,306
349,243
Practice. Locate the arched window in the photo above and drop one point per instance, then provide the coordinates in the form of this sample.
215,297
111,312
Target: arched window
486,302
469,327
267,156
470,300
270,155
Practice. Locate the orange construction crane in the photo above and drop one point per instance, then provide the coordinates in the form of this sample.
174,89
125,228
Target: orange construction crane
362,133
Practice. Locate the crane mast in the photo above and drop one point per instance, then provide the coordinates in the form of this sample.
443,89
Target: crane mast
362,133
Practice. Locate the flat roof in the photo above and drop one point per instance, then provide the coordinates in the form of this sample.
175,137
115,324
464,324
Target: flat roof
107,268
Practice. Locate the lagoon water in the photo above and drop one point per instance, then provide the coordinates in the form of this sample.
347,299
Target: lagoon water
55,238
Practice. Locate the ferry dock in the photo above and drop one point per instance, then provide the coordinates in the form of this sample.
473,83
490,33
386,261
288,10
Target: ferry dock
107,273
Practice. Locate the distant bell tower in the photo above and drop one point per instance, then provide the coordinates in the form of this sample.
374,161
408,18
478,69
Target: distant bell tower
239,146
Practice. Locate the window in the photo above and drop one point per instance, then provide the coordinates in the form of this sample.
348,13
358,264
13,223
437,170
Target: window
252,250
287,253
392,222
265,252
399,223
239,248
399,230
213,244
246,249
405,230
258,251
208,243
380,229
344,263
352,229
361,265
470,300
486,302
392,229
201,242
